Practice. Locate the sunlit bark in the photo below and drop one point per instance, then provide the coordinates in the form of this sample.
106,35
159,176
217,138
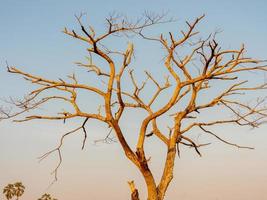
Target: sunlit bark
214,64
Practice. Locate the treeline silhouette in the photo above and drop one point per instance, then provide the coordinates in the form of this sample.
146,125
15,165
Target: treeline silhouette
16,190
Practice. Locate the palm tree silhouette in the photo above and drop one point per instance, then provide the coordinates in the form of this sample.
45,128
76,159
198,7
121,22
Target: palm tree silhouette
46,197
9,191
19,189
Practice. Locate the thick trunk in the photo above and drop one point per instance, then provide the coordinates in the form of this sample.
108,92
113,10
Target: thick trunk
154,192
148,176
139,159
150,182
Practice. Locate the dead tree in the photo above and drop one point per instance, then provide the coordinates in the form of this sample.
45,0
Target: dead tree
189,77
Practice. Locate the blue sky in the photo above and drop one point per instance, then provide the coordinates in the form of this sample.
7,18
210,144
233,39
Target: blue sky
31,38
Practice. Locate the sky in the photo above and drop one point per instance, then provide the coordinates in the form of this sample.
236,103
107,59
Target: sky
31,38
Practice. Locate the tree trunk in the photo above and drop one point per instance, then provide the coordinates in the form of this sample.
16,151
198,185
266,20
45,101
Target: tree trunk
152,193
167,173
151,190
150,184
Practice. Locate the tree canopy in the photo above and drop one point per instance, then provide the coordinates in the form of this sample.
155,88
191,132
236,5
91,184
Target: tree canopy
201,77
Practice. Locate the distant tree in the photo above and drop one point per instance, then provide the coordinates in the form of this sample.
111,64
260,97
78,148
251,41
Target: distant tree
19,189
9,191
46,197
200,76
14,190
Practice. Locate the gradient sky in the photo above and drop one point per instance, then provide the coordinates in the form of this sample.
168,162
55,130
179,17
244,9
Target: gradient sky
31,38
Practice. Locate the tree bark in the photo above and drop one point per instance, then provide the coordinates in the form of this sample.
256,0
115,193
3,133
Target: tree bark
134,191
167,174
135,195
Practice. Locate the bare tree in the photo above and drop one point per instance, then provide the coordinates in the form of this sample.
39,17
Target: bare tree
196,68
